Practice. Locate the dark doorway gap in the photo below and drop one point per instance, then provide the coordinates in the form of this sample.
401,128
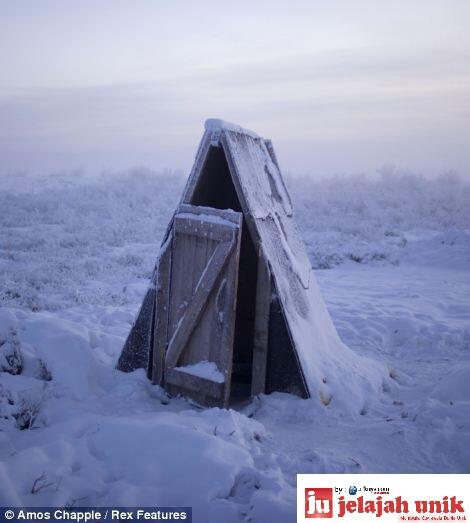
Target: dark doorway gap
215,189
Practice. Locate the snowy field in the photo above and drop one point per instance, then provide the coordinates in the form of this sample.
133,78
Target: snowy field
393,261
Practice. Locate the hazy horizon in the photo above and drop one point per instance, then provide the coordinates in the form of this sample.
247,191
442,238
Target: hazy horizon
339,88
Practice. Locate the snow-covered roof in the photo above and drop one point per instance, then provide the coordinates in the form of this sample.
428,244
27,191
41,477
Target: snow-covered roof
217,125
331,370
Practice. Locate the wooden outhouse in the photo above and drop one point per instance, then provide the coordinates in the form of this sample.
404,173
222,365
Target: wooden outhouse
234,309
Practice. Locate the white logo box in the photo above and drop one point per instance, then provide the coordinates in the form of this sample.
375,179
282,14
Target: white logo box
383,497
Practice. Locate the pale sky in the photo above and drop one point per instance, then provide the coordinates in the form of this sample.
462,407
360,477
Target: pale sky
339,86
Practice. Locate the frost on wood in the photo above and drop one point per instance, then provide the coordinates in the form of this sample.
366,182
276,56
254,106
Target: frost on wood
136,350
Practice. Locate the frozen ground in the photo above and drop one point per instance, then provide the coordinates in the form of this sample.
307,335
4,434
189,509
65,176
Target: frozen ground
75,253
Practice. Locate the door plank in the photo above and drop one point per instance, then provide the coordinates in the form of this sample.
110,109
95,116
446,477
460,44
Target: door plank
228,309
195,308
222,232
225,214
162,313
194,383
198,345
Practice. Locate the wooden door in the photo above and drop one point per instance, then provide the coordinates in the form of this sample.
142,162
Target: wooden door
198,283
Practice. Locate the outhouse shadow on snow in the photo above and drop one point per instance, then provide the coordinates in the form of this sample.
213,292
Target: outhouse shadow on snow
215,189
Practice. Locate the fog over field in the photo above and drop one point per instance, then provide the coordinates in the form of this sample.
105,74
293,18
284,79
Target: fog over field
340,87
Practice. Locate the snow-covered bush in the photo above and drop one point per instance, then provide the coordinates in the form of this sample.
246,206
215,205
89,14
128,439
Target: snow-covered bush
10,355
72,239
366,219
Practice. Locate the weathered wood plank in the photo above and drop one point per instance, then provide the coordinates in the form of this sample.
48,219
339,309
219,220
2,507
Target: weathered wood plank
135,353
198,344
162,304
177,275
250,221
260,343
209,230
226,214
184,380
214,318
227,306
194,310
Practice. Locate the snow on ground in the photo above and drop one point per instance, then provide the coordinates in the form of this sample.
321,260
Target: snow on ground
393,260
